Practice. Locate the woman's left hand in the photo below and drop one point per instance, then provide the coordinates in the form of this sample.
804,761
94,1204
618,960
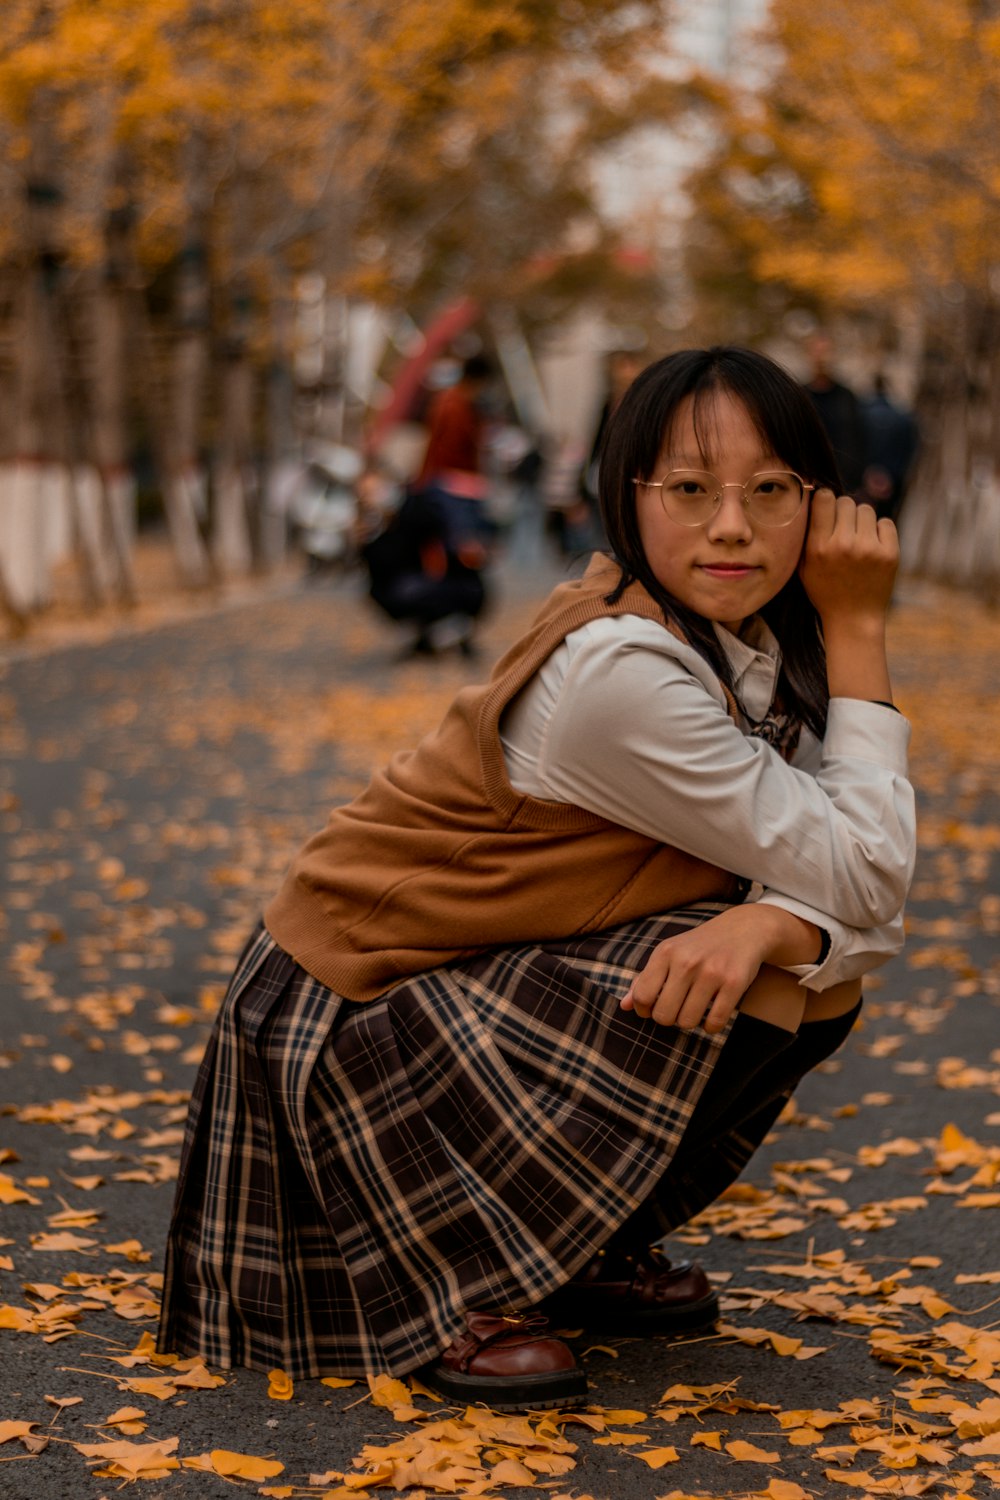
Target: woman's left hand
699,976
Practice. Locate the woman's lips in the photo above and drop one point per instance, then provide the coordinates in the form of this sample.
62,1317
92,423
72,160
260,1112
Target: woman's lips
726,570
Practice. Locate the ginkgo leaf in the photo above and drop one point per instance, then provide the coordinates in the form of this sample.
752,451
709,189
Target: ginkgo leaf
132,1460
280,1386
243,1465
17,1318
388,1392
748,1453
657,1458
11,1193
9,1430
549,1463
510,1472
982,1447
160,1387
894,1484
64,1241
124,1414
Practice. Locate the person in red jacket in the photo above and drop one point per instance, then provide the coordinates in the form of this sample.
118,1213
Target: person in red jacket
455,423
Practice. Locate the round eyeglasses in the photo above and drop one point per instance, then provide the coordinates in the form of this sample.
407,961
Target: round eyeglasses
691,497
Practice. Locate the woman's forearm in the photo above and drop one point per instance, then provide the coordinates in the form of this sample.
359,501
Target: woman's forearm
856,662
787,940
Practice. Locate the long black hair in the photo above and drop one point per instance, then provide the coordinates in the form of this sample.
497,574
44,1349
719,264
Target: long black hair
786,419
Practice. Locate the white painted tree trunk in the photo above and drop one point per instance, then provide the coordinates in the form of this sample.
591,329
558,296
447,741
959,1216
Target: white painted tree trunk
36,531
232,549
183,502
117,486
24,545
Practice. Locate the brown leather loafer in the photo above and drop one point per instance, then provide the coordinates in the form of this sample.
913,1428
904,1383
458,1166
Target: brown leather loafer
644,1294
510,1363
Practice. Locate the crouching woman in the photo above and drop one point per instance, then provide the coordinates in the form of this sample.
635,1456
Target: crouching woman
534,998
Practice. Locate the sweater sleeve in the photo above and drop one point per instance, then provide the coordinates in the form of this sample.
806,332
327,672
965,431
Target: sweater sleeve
644,738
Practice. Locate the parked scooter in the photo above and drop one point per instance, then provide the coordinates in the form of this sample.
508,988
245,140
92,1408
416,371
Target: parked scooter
323,507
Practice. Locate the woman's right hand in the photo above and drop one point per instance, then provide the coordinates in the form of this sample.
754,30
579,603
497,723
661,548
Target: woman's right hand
848,567
849,560
697,977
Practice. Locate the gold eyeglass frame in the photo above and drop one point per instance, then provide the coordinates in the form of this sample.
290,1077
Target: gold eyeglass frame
657,484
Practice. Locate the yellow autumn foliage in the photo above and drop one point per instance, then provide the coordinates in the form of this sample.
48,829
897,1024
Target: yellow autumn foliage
864,162
294,128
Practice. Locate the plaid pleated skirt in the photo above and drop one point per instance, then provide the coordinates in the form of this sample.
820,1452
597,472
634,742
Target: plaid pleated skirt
356,1176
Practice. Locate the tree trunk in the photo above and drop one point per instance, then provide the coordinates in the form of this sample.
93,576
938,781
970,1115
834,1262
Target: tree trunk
23,553
66,411
951,525
232,551
185,490
181,484
281,463
110,447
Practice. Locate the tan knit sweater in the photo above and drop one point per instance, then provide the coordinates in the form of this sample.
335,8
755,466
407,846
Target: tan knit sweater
439,857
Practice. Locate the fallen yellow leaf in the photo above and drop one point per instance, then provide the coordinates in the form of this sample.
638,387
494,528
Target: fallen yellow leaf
624,1418
243,1465
750,1454
9,1430
280,1387
11,1193
388,1392
656,1458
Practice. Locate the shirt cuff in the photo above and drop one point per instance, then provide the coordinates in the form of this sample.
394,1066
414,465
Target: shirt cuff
859,730
822,974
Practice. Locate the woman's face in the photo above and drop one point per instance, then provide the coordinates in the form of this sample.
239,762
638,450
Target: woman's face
730,567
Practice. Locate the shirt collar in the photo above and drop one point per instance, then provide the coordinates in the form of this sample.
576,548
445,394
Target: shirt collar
755,658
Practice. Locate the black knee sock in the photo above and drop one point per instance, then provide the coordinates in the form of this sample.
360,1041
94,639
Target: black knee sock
758,1064
754,1048
813,1043
751,1047
759,1084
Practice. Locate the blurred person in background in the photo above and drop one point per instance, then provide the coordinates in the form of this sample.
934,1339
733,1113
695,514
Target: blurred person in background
427,565
839,411
456,423
623,366
892,439
426,559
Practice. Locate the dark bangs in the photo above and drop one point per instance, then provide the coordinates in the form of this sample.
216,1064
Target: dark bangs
787,422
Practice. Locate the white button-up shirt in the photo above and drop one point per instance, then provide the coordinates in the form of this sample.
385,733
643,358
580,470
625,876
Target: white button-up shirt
629,722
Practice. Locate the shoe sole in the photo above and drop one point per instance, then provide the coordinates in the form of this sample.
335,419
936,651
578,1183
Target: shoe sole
555,1390
643,1320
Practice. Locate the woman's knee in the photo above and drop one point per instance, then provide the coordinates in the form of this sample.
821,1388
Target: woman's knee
837,1001
778,997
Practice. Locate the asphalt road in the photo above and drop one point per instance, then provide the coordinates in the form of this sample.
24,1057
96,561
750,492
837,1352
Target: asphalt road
152,788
